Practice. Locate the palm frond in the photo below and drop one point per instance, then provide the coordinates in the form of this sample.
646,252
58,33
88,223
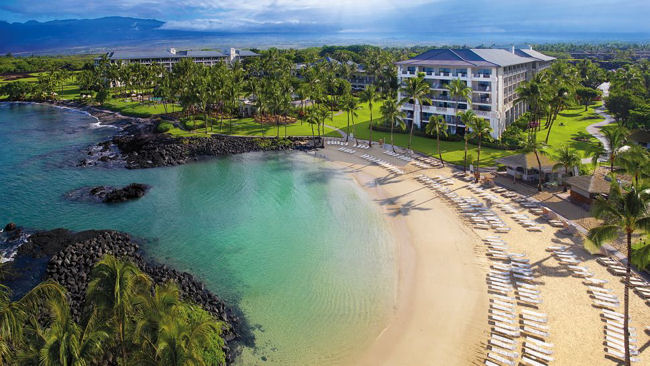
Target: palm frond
602,234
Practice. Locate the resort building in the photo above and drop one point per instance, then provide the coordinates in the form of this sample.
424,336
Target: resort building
169,57
585,188
524,167
492,74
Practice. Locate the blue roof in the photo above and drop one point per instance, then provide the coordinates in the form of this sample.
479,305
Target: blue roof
466,57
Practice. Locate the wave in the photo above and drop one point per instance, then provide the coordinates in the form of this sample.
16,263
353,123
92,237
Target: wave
94,125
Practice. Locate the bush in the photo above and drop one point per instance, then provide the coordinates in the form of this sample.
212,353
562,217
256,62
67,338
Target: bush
163,127
193,124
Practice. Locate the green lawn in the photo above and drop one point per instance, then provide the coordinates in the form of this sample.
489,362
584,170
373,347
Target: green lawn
571,124
248,127
136,109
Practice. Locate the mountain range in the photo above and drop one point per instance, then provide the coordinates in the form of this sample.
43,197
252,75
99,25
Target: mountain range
85,35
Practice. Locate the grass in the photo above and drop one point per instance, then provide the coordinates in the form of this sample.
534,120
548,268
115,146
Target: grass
136,109
571,124
248,127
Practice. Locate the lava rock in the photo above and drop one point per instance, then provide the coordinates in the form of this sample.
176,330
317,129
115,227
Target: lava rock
130,192
10,227
155,150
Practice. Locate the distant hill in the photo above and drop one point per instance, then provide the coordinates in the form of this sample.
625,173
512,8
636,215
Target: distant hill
83,34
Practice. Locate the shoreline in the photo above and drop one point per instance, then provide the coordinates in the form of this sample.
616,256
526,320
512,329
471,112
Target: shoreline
441,298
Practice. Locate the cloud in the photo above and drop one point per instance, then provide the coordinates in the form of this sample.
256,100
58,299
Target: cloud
358,15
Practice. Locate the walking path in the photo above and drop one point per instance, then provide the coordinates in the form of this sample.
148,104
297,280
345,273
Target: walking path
594,130
340,131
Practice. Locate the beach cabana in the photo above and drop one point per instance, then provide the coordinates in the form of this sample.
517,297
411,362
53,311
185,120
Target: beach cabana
585,188
525,167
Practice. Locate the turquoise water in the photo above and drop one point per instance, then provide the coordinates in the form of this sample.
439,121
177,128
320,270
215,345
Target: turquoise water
298,247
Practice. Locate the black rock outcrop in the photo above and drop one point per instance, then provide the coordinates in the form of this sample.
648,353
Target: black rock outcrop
149,151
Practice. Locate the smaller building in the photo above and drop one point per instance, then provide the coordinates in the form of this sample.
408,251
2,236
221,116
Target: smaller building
585,188
525,167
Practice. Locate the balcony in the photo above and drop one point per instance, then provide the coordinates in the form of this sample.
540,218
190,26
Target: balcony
481,100
482,76
444,73
461,75
481,88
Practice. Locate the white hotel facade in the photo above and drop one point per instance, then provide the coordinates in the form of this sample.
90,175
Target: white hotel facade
492,74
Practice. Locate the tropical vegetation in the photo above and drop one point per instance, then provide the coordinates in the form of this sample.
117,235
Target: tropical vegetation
127,319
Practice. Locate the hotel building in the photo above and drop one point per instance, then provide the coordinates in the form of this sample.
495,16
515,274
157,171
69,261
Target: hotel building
492,74
169,57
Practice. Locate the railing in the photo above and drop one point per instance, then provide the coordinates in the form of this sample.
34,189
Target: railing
462,75
481,100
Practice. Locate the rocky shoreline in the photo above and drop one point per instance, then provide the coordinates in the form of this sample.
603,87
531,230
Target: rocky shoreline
72,255
156,150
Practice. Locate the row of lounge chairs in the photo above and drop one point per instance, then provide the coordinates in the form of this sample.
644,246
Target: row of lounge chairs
511,273
346,150
384,164
640,286
603,299
347,143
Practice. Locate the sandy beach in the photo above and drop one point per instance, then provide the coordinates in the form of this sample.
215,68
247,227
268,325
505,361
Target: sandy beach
441,316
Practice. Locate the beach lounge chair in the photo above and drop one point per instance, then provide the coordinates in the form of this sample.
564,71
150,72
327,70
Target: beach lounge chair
538,355
535,332
530,362
595,281
503,360
619,355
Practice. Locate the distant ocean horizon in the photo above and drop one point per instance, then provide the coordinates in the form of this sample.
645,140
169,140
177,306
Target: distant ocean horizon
188,40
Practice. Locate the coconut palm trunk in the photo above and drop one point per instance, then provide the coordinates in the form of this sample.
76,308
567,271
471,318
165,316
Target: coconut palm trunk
465,159
626,299
370,140
439,153
539,173
478,161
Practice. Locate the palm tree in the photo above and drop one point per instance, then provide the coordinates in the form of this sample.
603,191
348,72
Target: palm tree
437,126
66,343
153,309
351,107
635,161
537,147
458,89
560,99
179,342
480,128
615,137
113,288
415,91
468,118
14,314
567,158
623,213
531,93
369,95
394,116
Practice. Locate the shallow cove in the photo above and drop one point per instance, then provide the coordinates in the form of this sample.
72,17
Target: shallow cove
297,246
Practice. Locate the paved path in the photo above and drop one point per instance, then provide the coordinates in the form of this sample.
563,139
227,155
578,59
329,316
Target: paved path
340,131
594,130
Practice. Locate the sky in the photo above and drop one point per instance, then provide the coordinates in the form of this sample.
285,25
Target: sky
353,15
